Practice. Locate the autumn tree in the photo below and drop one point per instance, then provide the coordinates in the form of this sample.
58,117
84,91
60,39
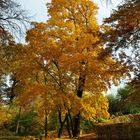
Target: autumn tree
28,82
67,48
13,20
123,39
76,31
124,33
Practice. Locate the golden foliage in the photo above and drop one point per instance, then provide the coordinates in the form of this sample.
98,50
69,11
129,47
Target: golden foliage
61,61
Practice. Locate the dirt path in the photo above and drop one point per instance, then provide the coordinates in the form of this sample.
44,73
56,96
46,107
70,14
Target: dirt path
91,136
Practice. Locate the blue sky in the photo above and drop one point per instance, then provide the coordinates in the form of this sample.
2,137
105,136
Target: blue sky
37,9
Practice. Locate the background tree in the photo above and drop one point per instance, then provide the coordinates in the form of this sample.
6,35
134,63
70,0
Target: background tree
124,33
12,20
123,39
125,101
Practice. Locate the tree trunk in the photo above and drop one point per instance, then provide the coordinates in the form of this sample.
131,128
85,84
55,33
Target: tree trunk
61,124
71,122
76,119
68,126
18,121
60,130
76,131
46,125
